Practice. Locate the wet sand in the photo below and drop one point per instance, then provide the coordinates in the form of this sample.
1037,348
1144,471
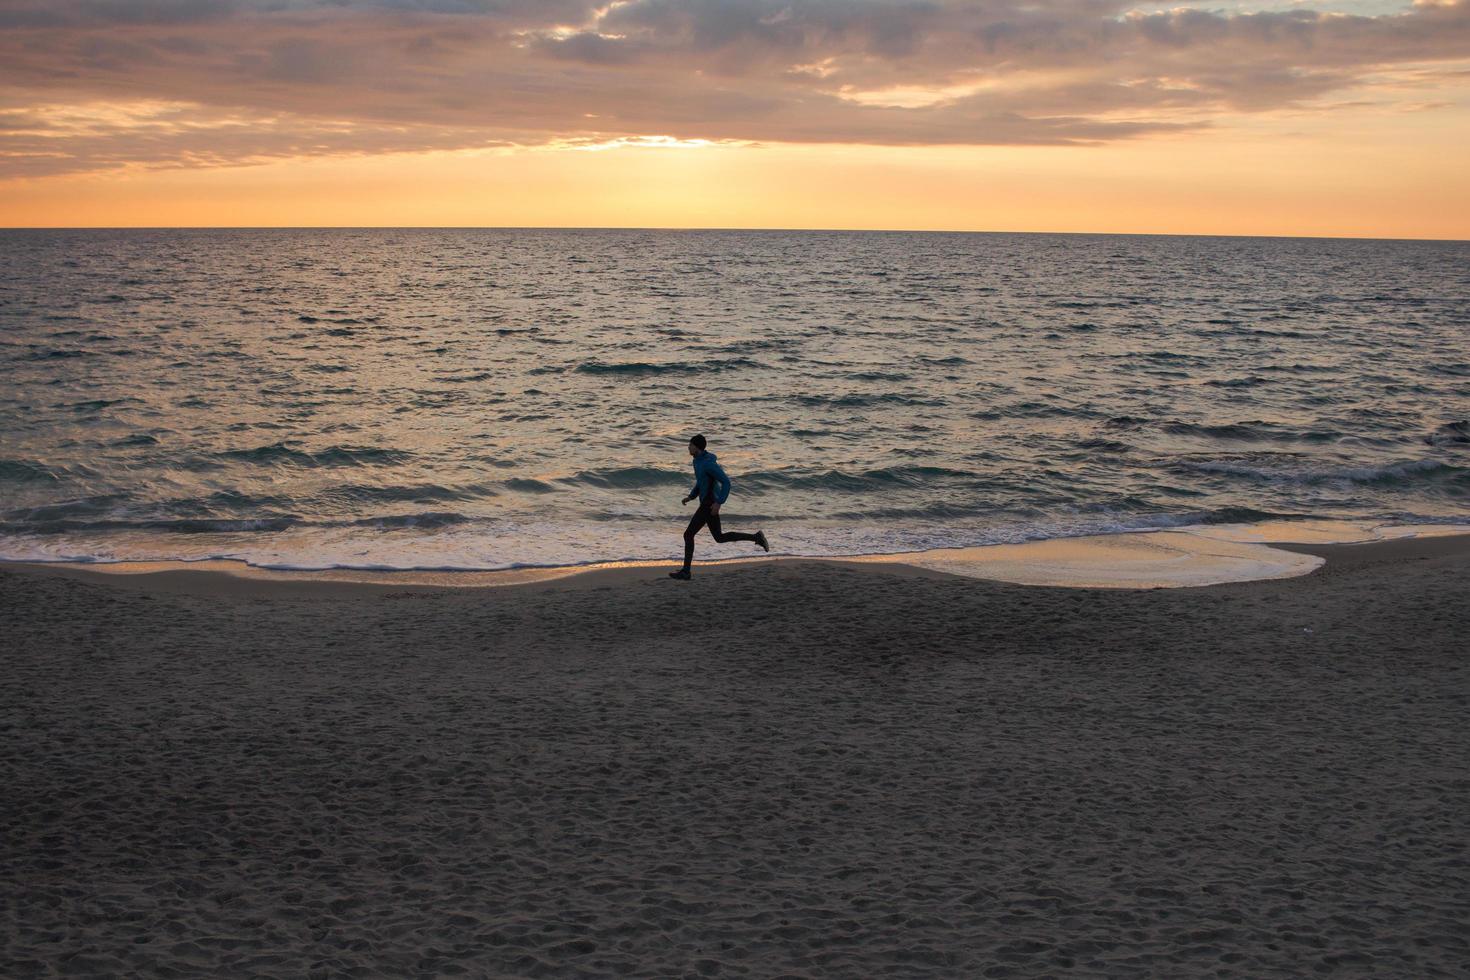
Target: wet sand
780,768
1185,557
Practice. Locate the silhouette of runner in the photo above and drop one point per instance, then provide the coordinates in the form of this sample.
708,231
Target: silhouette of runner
711,487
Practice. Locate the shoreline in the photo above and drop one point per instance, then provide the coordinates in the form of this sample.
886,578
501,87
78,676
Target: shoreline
1185,557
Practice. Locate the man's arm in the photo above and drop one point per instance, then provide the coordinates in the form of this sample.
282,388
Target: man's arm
724,491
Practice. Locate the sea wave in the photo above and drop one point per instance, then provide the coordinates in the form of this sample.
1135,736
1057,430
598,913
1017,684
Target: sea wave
289,454
28,471
1105,445
629,478
343,496
867,401
863,481
692,366
49,524
97,404
162,525
1450,434
1406,471
1254,430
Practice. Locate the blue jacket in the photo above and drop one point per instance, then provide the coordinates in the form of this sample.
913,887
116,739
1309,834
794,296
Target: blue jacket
707,474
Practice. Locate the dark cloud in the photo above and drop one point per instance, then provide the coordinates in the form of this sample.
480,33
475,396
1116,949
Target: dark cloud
104,13
247,80
161,13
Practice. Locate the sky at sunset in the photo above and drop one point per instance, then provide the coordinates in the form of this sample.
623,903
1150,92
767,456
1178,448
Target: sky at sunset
1338,117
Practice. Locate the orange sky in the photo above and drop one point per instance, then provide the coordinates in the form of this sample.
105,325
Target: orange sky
1363,141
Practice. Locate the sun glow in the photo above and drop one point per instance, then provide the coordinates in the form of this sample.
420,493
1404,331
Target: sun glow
635,142
1260,181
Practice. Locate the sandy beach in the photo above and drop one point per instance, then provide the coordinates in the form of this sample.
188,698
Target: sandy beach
784,768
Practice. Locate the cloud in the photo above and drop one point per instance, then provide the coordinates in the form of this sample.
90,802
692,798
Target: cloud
251,80
51,139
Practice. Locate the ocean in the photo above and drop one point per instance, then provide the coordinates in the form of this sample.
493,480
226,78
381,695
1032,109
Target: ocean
484,399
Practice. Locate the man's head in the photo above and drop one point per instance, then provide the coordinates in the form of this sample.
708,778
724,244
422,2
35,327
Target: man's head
696,445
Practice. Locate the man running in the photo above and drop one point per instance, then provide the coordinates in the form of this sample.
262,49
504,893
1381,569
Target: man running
711,487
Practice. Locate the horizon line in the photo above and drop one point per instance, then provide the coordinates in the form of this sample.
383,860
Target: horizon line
716,228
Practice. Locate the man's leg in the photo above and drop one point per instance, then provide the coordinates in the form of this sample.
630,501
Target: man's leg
723,536
701,515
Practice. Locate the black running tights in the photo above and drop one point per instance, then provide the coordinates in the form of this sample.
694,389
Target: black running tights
701,517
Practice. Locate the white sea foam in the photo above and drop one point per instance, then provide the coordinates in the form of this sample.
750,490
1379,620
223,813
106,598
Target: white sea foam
438,544
1187,557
